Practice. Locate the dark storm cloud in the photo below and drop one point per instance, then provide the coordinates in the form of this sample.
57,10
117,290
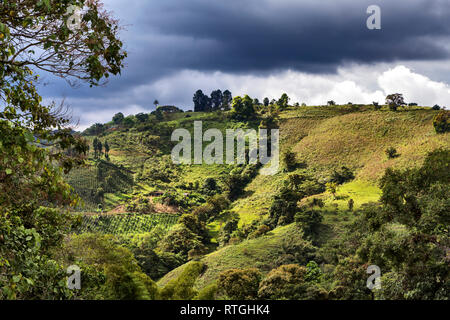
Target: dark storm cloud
314,36
264,36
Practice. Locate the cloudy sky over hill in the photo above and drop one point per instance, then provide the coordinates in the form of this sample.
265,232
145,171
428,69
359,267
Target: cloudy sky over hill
313,50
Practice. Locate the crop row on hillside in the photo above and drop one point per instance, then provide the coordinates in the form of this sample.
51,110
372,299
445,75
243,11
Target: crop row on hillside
126,223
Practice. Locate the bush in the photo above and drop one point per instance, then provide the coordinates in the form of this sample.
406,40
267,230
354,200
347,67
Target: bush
391,153
140,205
309,220
436,107
351,204
210,186
289,160
285,282
284,205
180,240
240,284
441,122
262,230
342,175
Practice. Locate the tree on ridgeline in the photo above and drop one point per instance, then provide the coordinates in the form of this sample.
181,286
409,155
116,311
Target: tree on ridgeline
283,102
156,103
118,118
141,117
226,100
243,109
216,100
266,102
436,107
394,101
199,101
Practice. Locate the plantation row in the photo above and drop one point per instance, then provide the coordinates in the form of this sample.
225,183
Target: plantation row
126,223
93,182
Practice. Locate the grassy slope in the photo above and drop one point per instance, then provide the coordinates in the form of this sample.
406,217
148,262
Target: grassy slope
327,138
259,253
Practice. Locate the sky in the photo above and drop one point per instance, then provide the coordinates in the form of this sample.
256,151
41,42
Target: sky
315,51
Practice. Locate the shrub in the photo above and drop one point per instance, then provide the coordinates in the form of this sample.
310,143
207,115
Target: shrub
180,240
441,122
436,107
210,186
309,220
289,160
284,205
262,230
284,282
227,230
342,175
351,204
140,205
240,284
391,153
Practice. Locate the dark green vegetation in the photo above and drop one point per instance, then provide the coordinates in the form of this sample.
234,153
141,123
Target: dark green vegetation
358,185
349,177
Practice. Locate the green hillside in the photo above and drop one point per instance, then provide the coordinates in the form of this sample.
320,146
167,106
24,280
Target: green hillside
327,143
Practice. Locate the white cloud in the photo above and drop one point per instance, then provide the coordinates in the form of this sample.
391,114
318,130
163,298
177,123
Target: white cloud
353,83
357,84
415,87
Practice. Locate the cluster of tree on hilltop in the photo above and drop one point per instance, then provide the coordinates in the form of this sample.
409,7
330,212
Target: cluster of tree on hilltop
217,101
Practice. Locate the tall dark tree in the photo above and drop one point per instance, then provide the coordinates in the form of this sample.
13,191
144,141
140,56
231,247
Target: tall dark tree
100,148
118,118
266,102
283,101
106,149
95,145
226,100
199,101
216,99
